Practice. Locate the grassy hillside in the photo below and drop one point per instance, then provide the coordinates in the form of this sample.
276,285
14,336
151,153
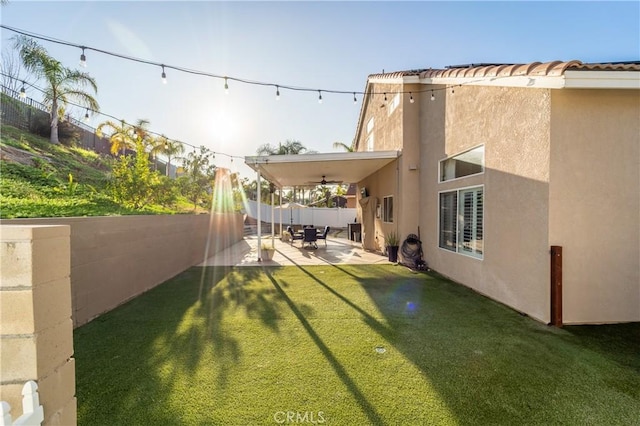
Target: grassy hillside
38,179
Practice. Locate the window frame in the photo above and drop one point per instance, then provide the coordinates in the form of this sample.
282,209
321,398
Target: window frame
458,245
370,142
394,104
386,212
453,157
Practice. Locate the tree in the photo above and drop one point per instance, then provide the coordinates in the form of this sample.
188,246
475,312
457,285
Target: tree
343,146
196,183
287,148
251,189
11,70
122,136
170,149
62,84
133,183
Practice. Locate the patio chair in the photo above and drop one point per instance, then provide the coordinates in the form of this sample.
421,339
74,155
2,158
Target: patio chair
324,234
294,235
310,237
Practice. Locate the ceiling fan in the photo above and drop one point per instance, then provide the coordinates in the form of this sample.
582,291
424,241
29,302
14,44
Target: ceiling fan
324,181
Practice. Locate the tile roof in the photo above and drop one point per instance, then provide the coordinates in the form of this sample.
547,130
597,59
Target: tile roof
552,69
398,74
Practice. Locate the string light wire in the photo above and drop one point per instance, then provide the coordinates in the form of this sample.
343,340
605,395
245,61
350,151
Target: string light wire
123,122
202,73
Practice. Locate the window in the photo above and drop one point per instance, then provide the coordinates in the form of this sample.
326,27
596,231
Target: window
370,142
387,209
466,164
395,102
462,221
370,125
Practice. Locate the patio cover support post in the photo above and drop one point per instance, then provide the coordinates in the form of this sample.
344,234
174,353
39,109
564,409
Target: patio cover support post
280,195
259,204
556,286
273,219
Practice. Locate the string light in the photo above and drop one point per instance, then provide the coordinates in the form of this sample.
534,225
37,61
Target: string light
433,97
411,97
86,116
83,59
355,100
385,96
226,86
124,123
277,93
206,74
23,91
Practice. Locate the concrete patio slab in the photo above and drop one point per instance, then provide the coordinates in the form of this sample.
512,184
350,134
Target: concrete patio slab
337,251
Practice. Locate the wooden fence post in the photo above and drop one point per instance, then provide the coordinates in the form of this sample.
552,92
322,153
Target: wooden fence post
556,286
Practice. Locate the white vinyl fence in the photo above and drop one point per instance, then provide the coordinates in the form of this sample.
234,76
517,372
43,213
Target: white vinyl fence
316,216
32,411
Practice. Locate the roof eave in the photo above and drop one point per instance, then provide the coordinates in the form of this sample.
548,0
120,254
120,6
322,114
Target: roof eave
570,80
407,79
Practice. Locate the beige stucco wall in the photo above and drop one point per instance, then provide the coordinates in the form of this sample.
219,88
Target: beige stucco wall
396,129
113,259
595,202
387,128
513,124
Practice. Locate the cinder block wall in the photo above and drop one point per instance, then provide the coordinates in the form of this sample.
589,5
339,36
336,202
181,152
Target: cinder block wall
114,259
36,330
62,272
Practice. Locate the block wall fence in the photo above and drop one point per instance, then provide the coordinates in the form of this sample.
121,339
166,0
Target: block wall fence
60,273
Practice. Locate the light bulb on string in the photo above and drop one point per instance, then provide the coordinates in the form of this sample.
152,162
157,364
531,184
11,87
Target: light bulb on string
411,97
86,116
319,96
277,93
433,97
23,91
164,75
226,86
355,100
83,58
385,96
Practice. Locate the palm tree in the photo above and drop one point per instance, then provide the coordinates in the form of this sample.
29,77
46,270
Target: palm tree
344,146
63,84
171,149
287,148
140,129
121,138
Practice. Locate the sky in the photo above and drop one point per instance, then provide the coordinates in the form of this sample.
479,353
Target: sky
315,45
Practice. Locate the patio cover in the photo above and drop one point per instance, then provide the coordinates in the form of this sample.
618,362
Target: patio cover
308,169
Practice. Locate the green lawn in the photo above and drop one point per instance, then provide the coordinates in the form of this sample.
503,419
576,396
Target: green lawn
345,345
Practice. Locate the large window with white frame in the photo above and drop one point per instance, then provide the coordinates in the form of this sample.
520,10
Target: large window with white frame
468,163
461,228
387,209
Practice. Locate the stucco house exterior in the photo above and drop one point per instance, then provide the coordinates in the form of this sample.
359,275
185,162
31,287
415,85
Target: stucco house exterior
499,162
